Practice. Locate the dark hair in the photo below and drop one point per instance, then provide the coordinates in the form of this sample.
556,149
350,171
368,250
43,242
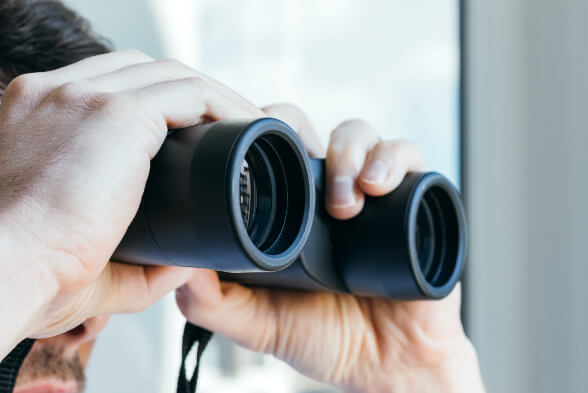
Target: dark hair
41,35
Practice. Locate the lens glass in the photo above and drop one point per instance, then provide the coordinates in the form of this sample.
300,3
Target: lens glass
271,194
445,230
258,195
425,237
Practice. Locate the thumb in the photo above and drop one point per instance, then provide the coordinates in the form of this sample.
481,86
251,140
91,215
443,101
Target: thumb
226,307
120,288
132,288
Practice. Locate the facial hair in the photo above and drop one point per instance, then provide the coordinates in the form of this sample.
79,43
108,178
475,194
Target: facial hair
49,361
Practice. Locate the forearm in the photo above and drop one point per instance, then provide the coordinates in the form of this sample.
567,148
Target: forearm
24,288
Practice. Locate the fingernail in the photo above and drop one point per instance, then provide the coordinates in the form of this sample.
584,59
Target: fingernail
376,172
341,192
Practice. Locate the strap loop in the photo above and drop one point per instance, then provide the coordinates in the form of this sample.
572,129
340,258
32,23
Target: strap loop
193,335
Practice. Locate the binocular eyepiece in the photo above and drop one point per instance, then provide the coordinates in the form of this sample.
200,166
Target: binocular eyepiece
242,197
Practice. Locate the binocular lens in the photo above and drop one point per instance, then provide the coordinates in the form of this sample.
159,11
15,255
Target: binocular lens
436,236
240,197
271,194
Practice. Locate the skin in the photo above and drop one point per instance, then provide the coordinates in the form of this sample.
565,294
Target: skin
65,205
59,362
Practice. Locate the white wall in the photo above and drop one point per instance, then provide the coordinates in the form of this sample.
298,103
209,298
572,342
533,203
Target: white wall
527,188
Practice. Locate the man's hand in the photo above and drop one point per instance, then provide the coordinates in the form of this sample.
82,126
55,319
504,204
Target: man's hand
75,150
358,344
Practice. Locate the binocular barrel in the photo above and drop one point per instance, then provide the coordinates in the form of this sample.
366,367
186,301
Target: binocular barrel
242,197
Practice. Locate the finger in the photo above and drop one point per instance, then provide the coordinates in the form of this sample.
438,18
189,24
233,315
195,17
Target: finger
299,121
387,164
346,154
223,307
205,286
95,65
131,288
183,103
139,75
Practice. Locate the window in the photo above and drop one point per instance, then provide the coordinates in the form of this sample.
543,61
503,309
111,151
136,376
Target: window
394,63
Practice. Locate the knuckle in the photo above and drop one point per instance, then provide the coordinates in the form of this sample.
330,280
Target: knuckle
23,85
399,148
136,54
195,82
149,125
391,152
400,153
344,161
338,134
354,131
341,141
357,125
70,90
80,95
176,64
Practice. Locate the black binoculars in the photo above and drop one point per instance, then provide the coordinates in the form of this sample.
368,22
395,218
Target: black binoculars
242,197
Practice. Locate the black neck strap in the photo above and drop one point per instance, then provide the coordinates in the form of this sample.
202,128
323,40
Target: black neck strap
193,335
11,364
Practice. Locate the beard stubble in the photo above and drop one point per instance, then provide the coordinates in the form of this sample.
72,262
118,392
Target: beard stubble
50,362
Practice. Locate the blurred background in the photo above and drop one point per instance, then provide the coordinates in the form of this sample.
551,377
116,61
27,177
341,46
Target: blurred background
505,117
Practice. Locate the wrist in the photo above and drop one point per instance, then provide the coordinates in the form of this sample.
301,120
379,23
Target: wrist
26,285
449,367
456,372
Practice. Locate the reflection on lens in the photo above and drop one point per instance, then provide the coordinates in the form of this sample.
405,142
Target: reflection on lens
258,196
437,220
245,193
425,237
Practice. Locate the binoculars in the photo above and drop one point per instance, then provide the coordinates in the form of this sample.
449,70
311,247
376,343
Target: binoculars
242,197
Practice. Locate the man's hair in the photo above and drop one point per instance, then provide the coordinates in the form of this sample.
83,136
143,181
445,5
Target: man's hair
42,35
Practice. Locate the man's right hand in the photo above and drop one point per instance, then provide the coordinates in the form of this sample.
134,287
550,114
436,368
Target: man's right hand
75,150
